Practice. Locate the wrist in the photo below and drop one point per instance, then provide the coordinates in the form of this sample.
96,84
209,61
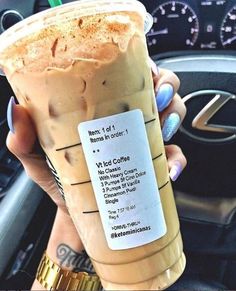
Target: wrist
66,252
53,277
64,241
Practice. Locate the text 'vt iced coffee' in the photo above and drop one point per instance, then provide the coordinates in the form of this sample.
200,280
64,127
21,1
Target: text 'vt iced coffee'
82,72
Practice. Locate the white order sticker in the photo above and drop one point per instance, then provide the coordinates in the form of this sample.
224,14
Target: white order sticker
119,161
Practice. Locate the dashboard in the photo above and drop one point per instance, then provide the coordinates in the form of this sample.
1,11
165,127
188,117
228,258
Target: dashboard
178,25
191,25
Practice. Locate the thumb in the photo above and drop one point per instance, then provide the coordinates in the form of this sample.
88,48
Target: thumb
22,137
22,142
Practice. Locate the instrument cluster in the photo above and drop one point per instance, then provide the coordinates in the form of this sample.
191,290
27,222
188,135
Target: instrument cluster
191,25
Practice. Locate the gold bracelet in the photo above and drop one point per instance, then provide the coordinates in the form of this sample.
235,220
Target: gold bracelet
53,277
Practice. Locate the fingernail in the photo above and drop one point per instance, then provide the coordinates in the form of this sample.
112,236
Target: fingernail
153,67
175,171
170,126
10,108
164,96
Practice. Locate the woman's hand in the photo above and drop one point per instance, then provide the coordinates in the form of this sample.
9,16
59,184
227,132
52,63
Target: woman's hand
172,112
22,141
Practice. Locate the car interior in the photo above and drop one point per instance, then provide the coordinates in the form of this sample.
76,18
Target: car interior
196,39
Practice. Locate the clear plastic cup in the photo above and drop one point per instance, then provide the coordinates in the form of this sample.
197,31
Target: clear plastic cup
82,71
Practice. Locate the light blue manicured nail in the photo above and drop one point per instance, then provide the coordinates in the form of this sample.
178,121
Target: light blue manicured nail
164,96
170,126
175,171
10,114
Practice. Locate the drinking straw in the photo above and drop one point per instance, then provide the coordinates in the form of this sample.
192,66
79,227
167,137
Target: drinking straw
54,3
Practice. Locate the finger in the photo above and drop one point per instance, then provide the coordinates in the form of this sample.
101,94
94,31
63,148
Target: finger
172,117
22,144
153,68
167,76
20,123
21,141
177,105
176,161
166,84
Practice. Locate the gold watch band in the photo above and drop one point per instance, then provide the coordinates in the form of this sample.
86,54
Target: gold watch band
53,277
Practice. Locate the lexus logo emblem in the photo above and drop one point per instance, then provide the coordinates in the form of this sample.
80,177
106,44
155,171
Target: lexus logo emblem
198,124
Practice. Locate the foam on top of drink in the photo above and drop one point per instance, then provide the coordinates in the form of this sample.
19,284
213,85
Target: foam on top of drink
99,37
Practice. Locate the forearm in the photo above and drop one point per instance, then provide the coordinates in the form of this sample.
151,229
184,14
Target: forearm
65,247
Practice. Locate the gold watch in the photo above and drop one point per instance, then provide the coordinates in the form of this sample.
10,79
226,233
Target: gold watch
53,277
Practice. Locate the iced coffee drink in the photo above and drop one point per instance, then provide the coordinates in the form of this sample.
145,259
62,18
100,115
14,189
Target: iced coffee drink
82,72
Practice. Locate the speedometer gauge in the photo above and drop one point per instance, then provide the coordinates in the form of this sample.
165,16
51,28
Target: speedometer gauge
228,30
175,27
